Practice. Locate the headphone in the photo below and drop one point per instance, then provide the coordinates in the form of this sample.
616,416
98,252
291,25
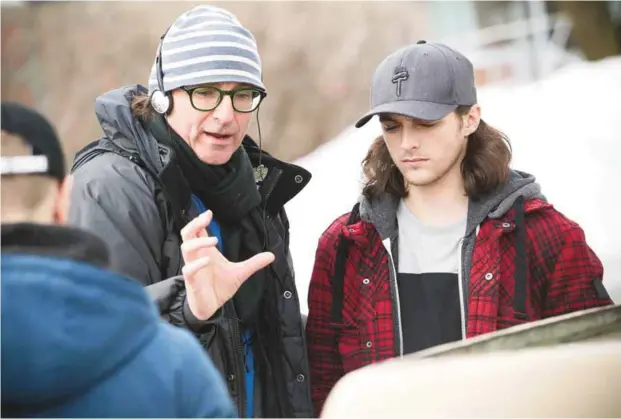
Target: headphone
161,101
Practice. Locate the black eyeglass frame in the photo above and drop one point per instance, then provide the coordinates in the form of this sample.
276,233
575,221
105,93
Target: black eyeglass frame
222,93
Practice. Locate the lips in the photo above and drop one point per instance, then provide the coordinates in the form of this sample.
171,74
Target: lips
219,136
415,160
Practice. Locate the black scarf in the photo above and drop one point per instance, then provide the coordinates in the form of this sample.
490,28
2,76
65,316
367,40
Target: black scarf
230,192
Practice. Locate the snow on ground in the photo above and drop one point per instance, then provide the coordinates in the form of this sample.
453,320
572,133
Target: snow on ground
565,129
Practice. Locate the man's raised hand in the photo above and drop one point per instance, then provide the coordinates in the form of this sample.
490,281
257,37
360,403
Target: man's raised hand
210,278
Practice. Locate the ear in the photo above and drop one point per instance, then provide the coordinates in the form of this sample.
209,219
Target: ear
472,120
61,213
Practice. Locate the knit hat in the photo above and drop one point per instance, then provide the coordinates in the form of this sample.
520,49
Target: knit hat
207,44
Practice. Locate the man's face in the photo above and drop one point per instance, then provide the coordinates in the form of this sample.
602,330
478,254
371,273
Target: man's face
426,151
213,135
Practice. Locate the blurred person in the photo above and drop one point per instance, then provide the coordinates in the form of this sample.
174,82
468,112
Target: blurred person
175,149
77,339
447,242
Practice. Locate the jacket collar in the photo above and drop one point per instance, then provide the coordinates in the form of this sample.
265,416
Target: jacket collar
55,241
382,210
278,181
362,230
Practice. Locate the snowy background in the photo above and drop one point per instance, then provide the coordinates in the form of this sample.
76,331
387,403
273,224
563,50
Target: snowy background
564,129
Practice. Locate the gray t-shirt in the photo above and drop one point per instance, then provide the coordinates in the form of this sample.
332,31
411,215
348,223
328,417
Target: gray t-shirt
424,248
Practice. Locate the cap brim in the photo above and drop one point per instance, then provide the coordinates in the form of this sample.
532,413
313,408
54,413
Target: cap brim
426,111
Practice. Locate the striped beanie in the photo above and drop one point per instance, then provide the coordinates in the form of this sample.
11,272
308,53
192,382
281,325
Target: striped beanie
207,44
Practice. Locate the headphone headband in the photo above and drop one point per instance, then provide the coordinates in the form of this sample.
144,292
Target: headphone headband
160,100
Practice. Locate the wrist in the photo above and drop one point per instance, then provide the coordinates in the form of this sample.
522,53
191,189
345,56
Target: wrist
197,325
199,303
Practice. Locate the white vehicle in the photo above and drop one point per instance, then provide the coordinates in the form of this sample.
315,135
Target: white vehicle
568,366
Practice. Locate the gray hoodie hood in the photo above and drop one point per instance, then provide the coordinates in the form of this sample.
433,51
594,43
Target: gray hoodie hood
382,212
113,110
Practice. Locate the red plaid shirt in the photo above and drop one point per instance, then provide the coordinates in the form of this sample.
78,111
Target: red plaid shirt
561,275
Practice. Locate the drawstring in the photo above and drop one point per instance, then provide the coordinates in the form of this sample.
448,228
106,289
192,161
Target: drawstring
519,302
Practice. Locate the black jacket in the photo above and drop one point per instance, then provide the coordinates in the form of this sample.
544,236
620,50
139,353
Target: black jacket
128,192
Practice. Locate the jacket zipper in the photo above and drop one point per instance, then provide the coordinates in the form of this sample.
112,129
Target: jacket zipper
462,297
238,343
392,273
238,354
272,185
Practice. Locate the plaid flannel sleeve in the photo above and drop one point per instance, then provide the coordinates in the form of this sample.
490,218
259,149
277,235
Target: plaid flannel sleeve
323,353
575,282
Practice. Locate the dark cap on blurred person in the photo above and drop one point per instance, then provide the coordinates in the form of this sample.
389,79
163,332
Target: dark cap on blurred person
46,156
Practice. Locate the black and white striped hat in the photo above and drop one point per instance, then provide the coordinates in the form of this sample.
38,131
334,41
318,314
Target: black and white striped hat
207,44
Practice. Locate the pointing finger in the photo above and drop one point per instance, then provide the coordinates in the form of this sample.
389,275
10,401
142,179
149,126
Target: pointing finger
254,264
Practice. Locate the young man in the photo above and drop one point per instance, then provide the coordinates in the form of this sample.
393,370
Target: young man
447,242
77,339
172,151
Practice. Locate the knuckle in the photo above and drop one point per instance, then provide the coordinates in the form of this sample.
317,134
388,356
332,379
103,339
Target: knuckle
184,232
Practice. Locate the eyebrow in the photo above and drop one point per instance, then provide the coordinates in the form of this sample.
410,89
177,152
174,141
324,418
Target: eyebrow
386,118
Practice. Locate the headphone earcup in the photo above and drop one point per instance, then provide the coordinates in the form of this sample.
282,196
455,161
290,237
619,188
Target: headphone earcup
160,102
171,102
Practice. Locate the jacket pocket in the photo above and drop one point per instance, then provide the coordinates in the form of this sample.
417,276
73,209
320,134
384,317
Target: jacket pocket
354,346
355,342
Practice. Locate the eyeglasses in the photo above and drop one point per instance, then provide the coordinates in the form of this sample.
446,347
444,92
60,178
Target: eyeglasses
207,98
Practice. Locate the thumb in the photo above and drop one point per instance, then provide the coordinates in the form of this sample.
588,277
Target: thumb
248,267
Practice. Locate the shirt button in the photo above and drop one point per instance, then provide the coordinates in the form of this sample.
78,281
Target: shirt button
287,294
369,344
366,281
231,377
298,179
300,378
489,276
506,225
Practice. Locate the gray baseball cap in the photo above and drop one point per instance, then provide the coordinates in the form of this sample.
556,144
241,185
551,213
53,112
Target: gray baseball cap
424,81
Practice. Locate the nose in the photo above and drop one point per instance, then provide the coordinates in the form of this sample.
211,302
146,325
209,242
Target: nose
410,138
224,112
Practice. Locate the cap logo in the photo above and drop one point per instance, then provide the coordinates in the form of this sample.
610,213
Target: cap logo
400,74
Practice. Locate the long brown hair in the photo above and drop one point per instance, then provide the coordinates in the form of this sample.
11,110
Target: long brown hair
141,106
484,167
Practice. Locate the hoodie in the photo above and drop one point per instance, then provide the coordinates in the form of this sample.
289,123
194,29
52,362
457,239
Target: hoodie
357,322
79,340
382,213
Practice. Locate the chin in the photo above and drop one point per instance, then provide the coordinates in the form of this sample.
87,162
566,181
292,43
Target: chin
421,178
215,157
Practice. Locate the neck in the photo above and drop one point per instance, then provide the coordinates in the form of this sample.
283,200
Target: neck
441,203
25,216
